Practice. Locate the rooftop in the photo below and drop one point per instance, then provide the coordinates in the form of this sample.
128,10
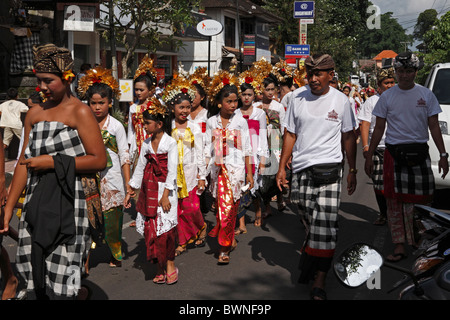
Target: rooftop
385,54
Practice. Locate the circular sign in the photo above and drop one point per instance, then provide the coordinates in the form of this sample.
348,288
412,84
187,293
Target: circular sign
209,27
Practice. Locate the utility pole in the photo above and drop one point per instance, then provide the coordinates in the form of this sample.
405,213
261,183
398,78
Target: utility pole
112,44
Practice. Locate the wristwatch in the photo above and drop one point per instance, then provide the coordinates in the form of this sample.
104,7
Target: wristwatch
444,155
353,170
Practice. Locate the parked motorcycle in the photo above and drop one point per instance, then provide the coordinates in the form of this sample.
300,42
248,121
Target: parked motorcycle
429,277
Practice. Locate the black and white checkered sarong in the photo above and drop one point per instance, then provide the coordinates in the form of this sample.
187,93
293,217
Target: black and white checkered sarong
22,57
377,175
66,263
319,205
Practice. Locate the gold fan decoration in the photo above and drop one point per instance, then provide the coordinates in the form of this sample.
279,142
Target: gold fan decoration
200,76
178,85
219,81
145,66
282,71
154,107
252,78
98,75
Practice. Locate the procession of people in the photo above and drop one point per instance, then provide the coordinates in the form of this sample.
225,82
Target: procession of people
269,133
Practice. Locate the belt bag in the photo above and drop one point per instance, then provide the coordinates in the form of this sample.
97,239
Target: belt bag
412,154
325,173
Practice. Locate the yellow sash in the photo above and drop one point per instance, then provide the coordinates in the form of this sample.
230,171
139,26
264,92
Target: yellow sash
189,140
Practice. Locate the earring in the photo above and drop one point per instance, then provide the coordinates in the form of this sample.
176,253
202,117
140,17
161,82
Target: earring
219,106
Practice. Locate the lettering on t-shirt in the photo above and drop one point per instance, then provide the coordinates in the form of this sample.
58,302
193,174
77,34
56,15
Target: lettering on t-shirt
333,116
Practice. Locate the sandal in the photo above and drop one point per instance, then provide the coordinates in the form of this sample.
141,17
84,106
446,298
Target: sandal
224,258
200,242
171,275
159,279
239,231
115,263
257,222
318,294
180,250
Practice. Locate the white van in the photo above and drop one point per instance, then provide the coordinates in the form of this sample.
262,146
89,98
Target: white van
438,81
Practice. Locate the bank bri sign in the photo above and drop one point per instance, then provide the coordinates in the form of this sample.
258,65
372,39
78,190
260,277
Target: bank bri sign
304,9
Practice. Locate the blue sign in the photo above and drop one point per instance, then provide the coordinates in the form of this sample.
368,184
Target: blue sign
304,9
296,50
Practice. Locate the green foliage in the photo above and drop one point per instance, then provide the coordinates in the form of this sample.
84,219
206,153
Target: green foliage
149,24
437,44
425,22
391,36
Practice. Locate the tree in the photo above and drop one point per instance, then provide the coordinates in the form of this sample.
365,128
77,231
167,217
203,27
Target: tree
437,43
148,23
390,36
425,22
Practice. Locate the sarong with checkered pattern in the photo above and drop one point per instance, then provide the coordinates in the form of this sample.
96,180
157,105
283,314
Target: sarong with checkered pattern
66,263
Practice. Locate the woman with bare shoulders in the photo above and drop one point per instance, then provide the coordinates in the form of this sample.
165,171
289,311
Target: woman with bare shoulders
62,143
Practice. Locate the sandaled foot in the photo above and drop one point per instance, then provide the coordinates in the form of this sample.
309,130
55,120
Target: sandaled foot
201,241
132,224
224,258
115,263
173,277
396,257
159,279
257,222
318,294
240,230
180,250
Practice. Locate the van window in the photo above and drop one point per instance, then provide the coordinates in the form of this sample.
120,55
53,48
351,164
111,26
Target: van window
441,86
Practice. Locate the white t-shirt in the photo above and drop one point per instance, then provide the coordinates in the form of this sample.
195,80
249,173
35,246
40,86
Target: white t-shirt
11,110
318,122
365,114
406,113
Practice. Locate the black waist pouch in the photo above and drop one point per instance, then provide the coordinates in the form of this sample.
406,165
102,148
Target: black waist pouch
325,173
411,154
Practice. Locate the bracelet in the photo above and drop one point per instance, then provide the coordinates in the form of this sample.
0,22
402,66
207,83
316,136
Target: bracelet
365,146
353,170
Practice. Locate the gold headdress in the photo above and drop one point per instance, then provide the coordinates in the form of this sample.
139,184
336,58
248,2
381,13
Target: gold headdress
252,78
200,76
178,85
145,66
282,71
155,107
299,75
219,81
98,75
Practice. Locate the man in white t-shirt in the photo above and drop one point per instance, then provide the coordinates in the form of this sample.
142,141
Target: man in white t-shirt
10,117
409,110
316,123
385,80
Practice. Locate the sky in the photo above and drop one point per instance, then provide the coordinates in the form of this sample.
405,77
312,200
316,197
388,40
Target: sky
407,11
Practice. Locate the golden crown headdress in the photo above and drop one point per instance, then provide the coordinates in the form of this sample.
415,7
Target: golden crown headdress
299,75
155,107
219,81
200,76
282,71
98,75
176,86
252,78
145,66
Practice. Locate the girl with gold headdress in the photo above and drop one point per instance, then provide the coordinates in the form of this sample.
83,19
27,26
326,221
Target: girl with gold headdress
156,177
191,174
256,120
62,143
100,88
229,159
145,82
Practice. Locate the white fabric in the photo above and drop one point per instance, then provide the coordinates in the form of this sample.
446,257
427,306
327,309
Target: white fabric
406,113
131,133
365,114
317,122
276,106
201,118
234,160
111,179
11,111
193,158
258,143
165,221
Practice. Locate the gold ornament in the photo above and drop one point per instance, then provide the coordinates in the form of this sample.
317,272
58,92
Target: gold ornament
219,81
145,66
178,85
98,75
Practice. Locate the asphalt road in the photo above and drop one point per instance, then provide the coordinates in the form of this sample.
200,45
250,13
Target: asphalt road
263,268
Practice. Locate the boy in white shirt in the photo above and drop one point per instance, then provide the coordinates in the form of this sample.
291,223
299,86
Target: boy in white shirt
10,117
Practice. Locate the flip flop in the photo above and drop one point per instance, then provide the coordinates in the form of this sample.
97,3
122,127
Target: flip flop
159,279
395,255
170,275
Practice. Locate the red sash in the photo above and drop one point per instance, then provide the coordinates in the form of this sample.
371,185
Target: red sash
155,171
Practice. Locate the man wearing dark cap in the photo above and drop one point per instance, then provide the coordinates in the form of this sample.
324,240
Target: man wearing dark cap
316,123
410,112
